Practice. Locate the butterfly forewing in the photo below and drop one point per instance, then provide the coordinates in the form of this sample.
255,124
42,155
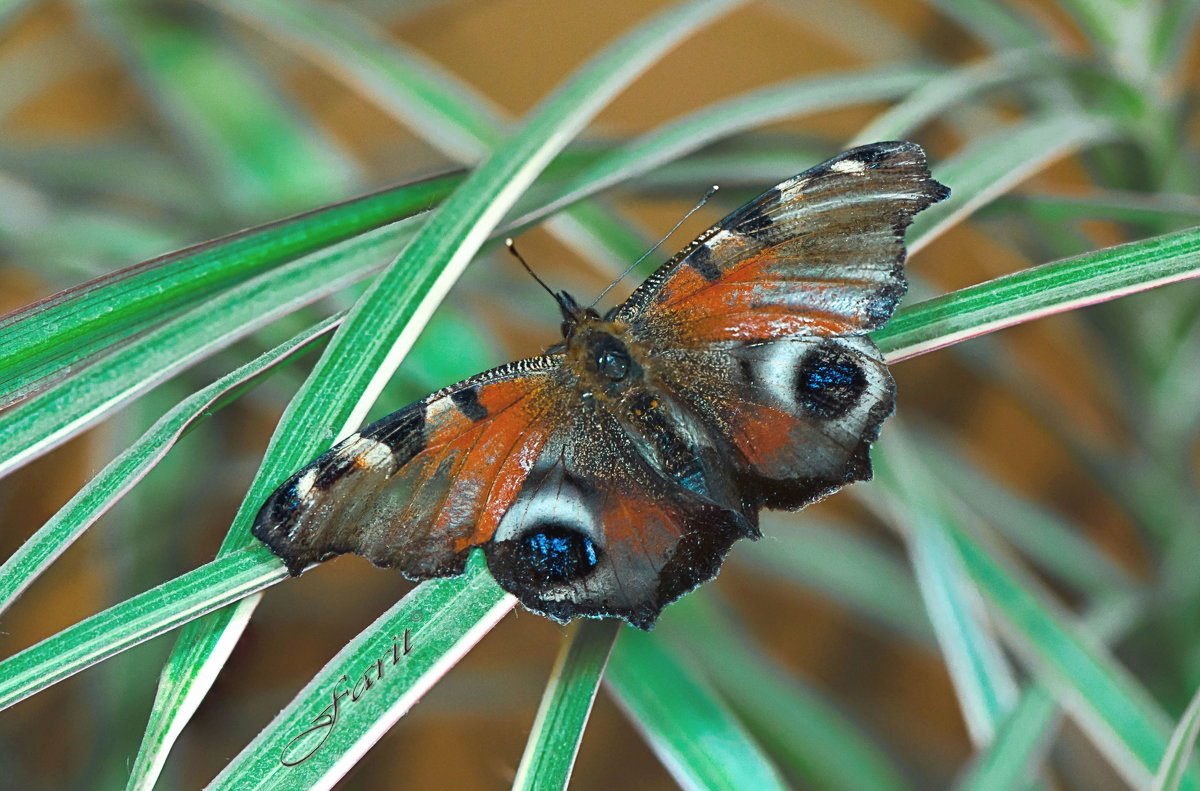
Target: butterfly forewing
421,487
759,326
821,253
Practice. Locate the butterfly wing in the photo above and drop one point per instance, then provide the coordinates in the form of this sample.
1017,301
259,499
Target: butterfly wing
421,487
821,253
600,528
758,327
797,415
574,517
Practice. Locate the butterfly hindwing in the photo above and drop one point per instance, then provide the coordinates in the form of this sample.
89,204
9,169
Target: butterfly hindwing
798,414
600,528
421,487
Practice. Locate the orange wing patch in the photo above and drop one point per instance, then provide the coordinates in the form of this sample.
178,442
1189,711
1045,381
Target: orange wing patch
487,458
763,297
419,488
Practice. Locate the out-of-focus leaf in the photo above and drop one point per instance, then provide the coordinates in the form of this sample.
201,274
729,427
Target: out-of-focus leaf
248,140
809,736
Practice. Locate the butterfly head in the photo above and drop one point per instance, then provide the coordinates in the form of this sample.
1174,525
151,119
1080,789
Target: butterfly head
574,315
599,354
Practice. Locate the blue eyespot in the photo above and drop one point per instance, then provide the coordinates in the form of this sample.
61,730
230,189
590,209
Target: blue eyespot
554,553
823,376
829,383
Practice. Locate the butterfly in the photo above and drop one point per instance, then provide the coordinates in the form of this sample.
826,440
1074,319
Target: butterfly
611,475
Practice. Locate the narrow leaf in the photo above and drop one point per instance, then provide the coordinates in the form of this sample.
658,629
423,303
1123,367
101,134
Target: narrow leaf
247,139
1041,291
48,336
810,737
687,726
1019,747
1176,759
991,166
981,675
372,682
558,729
41,422
94,499
133,621
748,111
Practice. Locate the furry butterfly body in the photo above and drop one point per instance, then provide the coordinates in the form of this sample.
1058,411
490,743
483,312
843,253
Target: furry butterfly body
612,474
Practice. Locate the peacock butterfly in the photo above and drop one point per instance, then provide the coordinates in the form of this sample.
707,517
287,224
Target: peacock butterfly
611,475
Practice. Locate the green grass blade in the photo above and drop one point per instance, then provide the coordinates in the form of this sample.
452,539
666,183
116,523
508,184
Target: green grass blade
63,241
1020,745
247,139
855,26
9,9
991,166
981,675
1108,704
447,113
1111,22
1151,209
38,342
978,669
140,175
598,234
950,88
811,738
94,499
1041,291
1176,33
384,323
133,621
697,738
998,26
1055,546
742,113
181,690
370,684
41,422
558,729
1176,759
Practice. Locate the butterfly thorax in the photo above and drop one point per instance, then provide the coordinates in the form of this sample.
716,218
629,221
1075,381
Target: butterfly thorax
609,369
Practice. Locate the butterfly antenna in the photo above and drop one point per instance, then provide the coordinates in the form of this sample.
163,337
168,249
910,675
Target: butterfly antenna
659,244
512,248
